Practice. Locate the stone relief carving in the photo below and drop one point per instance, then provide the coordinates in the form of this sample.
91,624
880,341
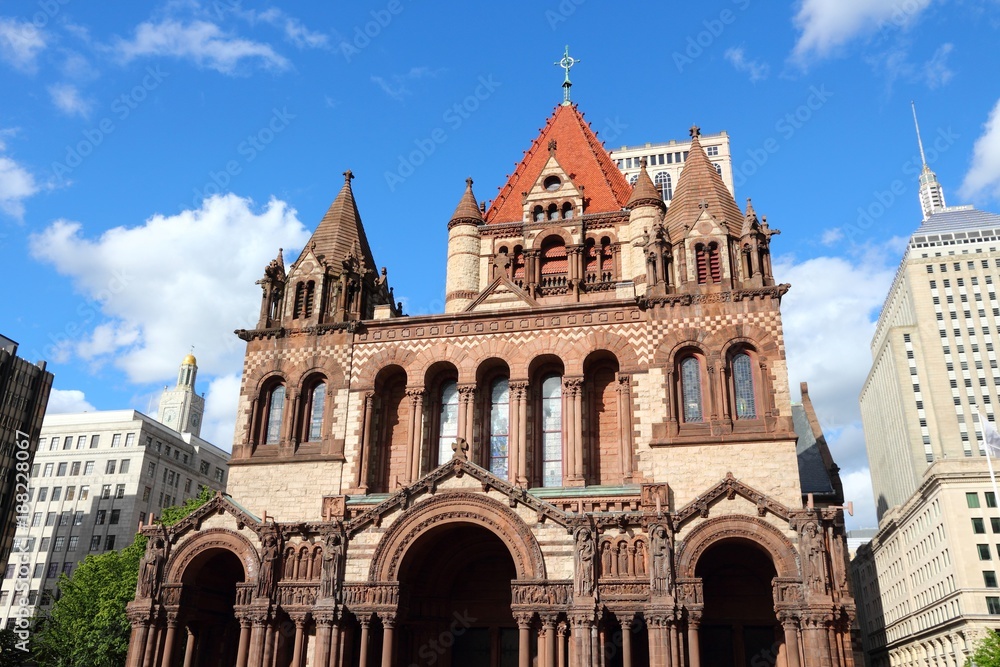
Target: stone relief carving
333,557
584,561
662,552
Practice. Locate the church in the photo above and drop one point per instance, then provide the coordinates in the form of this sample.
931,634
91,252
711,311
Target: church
590,458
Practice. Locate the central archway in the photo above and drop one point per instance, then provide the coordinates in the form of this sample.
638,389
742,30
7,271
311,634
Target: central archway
456,580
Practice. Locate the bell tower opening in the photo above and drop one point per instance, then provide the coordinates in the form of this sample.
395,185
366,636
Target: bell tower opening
739,627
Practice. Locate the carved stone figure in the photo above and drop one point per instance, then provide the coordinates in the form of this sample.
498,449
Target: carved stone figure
606,559
812,546
269,557
151,570
623,565
333,554
662,549
640,559
584,556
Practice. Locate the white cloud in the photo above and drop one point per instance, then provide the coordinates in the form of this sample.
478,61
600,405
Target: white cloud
67,99
171,282
755,69
16,183
221,401
62,401
395,86
201,42
828,317
827,25
983,177
832,236
295,31
20,44
936,71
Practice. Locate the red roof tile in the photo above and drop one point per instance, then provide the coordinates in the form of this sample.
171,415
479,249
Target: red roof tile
580,153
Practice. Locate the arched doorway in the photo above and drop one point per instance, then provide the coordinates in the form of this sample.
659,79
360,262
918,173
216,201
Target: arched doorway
739,627
209,594
456,583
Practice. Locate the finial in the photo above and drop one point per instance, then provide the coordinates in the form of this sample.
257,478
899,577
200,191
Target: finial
695,131
348,176
567,63
468,182
552,146
642,162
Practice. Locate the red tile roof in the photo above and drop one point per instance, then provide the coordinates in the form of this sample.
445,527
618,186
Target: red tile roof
580,153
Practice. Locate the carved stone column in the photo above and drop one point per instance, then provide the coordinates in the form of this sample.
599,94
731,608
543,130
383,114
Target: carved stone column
519,394
365,622
523,639
152,640
324,637
624,390
269,641
466,421
364,451
626,622
549,630
816,639
790,624
189,646
562,630
388,638
171,638
137,638
259,621
573,427
243,652
581,644
298,654
694,648
416,426
675,642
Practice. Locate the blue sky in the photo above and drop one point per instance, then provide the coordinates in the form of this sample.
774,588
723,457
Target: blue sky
154,157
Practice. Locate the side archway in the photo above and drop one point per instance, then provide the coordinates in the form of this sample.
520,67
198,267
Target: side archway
202,546
748,528
458,508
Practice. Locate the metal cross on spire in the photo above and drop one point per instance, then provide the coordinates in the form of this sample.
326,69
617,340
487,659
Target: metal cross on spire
567,62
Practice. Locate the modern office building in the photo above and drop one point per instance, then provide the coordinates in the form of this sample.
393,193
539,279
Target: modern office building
24,395
926,584
96,477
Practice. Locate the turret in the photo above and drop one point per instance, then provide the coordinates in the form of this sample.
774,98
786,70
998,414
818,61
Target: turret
646,257
462,279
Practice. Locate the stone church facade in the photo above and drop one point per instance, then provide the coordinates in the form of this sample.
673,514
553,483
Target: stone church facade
588,459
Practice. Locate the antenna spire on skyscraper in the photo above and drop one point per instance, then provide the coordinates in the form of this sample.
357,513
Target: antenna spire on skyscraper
931,192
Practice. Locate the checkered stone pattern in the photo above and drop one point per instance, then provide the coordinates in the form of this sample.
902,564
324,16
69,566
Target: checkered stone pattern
293,357
769,322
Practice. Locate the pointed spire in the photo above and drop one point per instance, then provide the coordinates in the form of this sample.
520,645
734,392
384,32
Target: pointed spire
644,192
341,229
931,192
567,63
700,188
467,211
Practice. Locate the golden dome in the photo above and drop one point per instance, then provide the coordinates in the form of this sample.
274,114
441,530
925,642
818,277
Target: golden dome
189,361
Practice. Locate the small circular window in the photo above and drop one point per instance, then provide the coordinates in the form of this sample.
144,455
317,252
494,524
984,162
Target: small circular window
552,183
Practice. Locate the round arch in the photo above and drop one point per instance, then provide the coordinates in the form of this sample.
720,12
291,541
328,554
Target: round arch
549,232
203,544
458,507
424,360
749,528
616,344
369,370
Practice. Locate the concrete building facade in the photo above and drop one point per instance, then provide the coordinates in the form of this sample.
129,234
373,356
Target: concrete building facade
96,477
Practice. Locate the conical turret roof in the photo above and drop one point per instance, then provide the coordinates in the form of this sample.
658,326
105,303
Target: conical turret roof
467,210
644,193
699,186
341,228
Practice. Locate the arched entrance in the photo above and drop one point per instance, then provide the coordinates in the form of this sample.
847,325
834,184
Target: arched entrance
209,594
455,581
739,627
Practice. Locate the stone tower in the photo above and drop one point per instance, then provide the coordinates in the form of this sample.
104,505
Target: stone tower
181,408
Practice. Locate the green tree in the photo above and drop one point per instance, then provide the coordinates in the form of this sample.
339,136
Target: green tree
10,654
87,626
987,653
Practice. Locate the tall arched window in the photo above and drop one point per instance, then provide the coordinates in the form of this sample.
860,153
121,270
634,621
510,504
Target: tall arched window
567,211
665,185
554,262
552,425
275,411
448,420
743,390
538,214
691,397
553,212
500,427
317,401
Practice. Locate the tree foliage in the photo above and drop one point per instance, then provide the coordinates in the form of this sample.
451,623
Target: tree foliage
987,653
10,654
87,626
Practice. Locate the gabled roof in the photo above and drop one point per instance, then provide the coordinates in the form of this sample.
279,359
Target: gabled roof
340,229
583,156
700,183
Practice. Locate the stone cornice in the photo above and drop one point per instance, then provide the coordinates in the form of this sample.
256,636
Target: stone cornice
770,292
282,332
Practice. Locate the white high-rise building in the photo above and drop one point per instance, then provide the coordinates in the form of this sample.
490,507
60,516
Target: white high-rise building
96,476
927,584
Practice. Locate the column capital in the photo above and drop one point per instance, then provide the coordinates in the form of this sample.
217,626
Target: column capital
788,619
388,619
523,619
548,620
562,628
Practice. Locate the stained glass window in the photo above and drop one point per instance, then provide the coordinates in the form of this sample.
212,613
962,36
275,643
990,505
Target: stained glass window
691,389
274,412
746,402
499,427
448,429
316,413
552,453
